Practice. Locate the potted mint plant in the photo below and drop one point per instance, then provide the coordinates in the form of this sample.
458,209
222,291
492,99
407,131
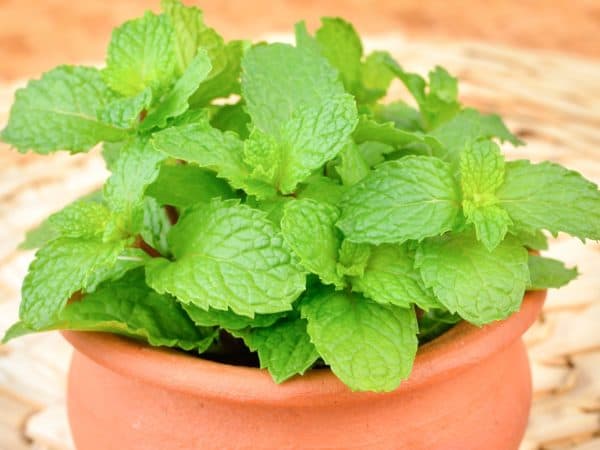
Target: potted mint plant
267,210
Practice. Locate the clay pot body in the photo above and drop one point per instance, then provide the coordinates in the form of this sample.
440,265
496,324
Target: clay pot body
470,389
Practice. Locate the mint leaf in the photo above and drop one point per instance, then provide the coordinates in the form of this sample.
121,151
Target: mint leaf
278,79
352,167
400,113
370,347
311,137
232,118
61,268
321,189
534,240
340,44
80,219
141,54
128,260
549,273
156,226
228,319
284,348
201,144
309,229
127,112
59,112
479,285
175,102
136,168
467,127
353,259
390,277
482,173
375,78
190,34
228,255
184,185
551,197
226,80
387,133
391,203
374,152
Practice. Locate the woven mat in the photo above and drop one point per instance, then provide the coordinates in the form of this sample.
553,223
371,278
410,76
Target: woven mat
551,100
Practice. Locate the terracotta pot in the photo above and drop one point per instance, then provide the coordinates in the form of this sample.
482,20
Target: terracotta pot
470,390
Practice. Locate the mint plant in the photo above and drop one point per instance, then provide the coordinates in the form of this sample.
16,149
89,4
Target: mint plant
266,192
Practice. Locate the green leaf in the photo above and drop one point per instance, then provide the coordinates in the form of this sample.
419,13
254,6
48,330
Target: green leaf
375,78
321,189
232,118
390,277
225,81
534,240
191,33
551,197
400,113
467,127
374,152
156,226
61,268
352,167
59,112
309,229
80,219
228,255
353,259
387,133
284,348
434,323
491,224
175,102
549,273
184,185
411,198
370,347
312,136
137,167
128,307
482,173
128,260
127,112
481,286
141,54
278,79
222,152
228,319
340,44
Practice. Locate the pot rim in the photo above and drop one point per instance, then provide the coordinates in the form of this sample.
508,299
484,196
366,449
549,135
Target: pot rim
456,350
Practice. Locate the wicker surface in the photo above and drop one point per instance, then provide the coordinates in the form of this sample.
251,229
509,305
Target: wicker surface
551,100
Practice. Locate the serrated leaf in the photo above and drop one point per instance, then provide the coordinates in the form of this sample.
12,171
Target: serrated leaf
283,348
137,167
228,255
175,101
467,127
130,308
155,226
232,118
400,113
534,240
551,197
411,198
128,260
228,319
390,277
309,229
479,285
312,136
340,44
61,268
352,166
353,259
370,347
374,153
127,112
59,112
375,78
184,185
387,133
80,219
482,173
201,144
141,54
277,79
321,189
549,273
